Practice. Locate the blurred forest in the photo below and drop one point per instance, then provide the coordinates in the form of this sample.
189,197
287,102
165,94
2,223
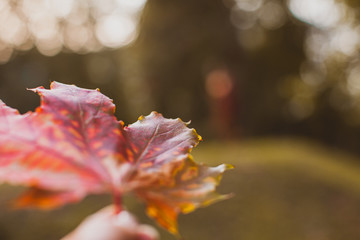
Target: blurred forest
253,76
236,68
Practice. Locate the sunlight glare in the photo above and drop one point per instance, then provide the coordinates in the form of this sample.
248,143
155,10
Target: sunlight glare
80,26
131,6
60,8
320,13
115,31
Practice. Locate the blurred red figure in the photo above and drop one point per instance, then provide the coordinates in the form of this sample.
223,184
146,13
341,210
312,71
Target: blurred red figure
220,87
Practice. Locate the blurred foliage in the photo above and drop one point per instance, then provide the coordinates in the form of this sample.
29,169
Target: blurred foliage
237,68
291,189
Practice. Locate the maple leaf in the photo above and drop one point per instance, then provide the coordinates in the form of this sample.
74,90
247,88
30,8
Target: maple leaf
72,145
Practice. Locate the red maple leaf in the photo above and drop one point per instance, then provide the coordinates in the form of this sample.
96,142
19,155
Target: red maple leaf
72,145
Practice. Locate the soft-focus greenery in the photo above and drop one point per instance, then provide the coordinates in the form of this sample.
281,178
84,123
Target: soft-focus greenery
236,68
284,189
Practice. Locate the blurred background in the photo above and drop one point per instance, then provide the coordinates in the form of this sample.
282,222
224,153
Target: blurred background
273,86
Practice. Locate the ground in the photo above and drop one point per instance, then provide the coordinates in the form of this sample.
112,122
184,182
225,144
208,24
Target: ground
284,189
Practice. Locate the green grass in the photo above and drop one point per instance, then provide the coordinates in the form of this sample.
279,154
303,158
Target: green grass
284,189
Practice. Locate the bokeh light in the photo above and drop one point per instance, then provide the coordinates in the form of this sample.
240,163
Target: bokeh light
320,13
249,5
272,15
115,31
78,26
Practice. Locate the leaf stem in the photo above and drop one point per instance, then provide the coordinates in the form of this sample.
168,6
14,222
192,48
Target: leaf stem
117,201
